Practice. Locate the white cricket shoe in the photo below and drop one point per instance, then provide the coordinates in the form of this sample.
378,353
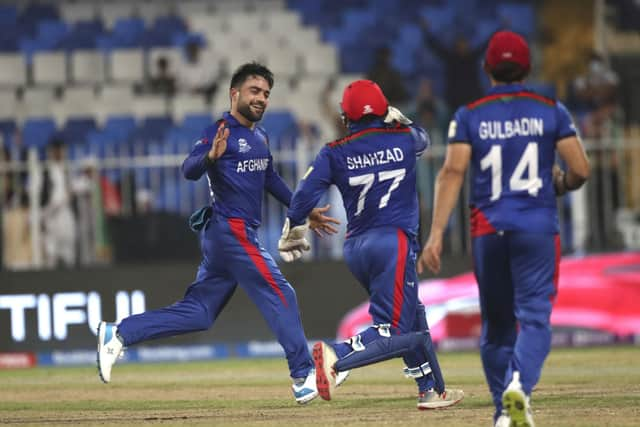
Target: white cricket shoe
325,358
503,420
342,377
517,404
306,391
432,400
109,349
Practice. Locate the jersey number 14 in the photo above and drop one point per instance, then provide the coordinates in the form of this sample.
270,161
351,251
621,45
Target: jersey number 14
518,182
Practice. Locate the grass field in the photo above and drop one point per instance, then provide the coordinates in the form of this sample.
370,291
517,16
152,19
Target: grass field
579,387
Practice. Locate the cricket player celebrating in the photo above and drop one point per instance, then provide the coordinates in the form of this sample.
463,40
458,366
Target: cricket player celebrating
374,168
510,138
234,154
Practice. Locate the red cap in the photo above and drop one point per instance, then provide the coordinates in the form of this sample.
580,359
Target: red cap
507,46
363,97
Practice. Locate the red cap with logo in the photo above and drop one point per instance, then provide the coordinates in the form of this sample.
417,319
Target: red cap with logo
363,97
507,46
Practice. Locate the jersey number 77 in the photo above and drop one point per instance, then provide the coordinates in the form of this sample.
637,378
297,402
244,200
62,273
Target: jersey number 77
367,181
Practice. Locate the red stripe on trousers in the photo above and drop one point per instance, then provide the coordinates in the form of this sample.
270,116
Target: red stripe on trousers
239,230
398,288
556,273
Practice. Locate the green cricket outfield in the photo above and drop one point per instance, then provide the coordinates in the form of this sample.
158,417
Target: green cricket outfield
597,386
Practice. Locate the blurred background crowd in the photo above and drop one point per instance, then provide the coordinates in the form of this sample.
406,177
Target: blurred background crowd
100,101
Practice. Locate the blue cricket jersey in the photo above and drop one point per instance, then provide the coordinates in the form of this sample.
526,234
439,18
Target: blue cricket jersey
374,168
513,134
237,179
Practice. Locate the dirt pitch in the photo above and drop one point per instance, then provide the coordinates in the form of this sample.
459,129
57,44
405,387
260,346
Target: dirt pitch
580,387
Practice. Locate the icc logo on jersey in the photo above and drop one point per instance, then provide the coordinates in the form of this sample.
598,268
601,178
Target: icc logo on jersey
243,145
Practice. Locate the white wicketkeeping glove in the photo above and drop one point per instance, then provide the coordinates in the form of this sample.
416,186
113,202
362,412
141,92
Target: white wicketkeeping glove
393,114
292,242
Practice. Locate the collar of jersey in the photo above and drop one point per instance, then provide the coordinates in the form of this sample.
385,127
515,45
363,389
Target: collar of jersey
230,120
357,127
507,88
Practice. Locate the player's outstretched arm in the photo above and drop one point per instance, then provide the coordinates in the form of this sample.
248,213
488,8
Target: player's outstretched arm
202,156
578,169
448,185
320,223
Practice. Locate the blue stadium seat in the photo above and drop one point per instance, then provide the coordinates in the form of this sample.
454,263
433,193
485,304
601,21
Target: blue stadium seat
169,24
8,16
198,121
152,129
7,130
520,18
37,133
126,32
52,32
356,58
76,129
83,35
281,126
120,127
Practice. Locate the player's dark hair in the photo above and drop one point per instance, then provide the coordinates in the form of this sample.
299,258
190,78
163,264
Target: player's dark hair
251,69
508,72
366,119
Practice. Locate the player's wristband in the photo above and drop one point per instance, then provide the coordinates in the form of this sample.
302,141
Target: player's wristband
207,160
567,187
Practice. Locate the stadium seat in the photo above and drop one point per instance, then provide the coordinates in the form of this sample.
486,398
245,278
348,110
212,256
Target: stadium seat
75,130
126,65
281,126
120,127
87,66
239,23
77,101
111,11
8,104
50,68
78,11
13,69
37,101
37,132
150,105
152,10
152,130
520,17
7,132
186,105
113,100
283,62
321,60
51,32
8,15
269,6
197,121
188,8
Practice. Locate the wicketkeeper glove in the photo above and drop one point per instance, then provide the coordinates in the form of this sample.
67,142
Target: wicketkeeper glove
292,243
393,114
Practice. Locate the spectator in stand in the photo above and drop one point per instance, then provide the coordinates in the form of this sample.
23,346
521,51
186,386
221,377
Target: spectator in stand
601,122
196,74
388,78
59,232
462,67
163,82
429,112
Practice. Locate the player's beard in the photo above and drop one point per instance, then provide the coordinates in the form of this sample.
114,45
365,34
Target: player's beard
253,116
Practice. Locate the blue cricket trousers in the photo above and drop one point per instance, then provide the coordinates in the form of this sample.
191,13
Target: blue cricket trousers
232,255
517,275
384,262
